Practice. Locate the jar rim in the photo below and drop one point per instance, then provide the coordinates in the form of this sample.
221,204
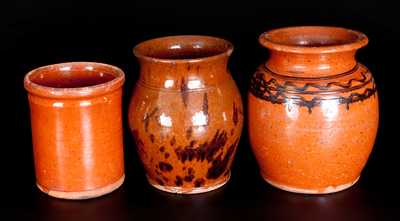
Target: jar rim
313,39
170,49
95,89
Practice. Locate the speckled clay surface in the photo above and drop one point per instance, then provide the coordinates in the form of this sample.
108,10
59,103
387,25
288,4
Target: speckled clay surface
186,113
76,128
313,110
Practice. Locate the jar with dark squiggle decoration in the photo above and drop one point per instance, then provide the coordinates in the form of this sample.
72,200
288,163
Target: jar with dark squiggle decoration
186,113
313,110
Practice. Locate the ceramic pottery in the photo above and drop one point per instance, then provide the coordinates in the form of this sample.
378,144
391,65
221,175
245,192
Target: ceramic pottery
76,128
313,110
186,113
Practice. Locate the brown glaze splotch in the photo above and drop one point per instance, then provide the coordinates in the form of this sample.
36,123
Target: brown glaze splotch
165,167
152,138
199,182
313,110
77,128
190,175
205,104
159,181
198,118
147,117
219,164
189,133
173,141
178,181
184,92
202,151
235,116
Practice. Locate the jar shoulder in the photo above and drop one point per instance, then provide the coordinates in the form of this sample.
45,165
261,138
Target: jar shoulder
223,90
347,88
357,78
216,106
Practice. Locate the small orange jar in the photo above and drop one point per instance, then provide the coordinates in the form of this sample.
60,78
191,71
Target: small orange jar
77,128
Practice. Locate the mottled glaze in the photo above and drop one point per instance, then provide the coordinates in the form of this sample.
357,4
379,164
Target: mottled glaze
76,128
186,113
313,110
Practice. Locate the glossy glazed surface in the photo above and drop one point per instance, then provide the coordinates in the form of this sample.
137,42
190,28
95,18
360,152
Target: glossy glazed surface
76,128
313,110
186,113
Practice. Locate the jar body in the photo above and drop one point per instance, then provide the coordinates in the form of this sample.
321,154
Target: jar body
312,135
76,132
187,138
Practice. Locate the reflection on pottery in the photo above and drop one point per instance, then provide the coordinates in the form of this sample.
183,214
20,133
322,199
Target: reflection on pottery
76,128
313,110
186,113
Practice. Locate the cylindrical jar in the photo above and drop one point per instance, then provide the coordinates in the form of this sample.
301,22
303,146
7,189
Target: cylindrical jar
76,128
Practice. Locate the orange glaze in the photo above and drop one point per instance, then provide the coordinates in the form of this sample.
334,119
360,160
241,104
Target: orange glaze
313,111
186,113
77,128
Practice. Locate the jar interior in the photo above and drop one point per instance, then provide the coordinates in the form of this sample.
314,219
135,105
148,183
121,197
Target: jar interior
313,36
182,47
71,76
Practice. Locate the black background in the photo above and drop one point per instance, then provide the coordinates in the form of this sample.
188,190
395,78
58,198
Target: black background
36,33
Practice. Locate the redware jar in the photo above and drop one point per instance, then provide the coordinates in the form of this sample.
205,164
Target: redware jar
76,128
186,113
313,109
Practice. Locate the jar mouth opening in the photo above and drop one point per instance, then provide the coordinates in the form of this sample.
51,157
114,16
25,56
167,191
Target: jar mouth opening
313,39
183,48
73,79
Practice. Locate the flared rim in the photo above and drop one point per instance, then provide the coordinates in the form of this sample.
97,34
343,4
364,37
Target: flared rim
313,39
162,49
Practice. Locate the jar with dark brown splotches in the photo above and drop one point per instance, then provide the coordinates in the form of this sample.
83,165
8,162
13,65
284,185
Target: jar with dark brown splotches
186,113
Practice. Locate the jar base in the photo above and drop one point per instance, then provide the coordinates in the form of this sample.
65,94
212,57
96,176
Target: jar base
81,195
195,190
327,190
